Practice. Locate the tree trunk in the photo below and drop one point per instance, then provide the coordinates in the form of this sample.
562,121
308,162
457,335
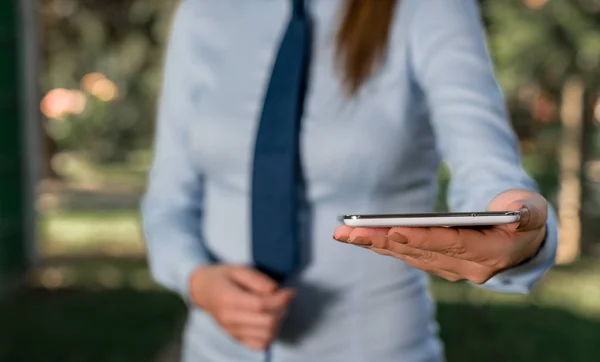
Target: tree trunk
50,149
571,163
588,229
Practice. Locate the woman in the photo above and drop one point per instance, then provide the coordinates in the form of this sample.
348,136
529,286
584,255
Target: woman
391,88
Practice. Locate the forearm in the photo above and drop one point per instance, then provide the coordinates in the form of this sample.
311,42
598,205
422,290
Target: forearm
174,247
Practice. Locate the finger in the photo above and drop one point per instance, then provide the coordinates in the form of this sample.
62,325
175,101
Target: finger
253,280
241,318
358,236
425,267
485,246
466,269
342,233
255,344
368,233
241,299
245,332
280,300
367,236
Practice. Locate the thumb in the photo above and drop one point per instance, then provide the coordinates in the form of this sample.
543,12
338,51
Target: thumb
533,215
532,206
253,280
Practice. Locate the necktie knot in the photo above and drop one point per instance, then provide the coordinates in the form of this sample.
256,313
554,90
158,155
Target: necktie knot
299,7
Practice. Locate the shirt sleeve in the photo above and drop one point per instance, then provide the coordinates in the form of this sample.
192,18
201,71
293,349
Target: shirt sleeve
172,206
452,67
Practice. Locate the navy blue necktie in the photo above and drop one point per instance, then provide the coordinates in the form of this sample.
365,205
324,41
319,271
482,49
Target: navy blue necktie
277,178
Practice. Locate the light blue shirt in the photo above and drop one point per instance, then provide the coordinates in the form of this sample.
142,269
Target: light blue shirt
435,98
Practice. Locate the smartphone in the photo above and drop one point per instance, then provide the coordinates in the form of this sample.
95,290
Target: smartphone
464,219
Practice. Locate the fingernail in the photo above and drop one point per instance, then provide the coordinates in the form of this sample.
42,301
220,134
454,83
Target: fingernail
524,220
342,238
361,240
398,238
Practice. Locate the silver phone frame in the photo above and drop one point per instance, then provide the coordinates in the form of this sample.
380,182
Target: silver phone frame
431,214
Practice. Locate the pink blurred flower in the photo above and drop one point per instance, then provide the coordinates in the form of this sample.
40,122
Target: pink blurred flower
60,102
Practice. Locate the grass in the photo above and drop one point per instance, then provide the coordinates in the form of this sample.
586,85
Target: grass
558,321
517,333
86,308
75,167
93,299
83,325
108,309
114,233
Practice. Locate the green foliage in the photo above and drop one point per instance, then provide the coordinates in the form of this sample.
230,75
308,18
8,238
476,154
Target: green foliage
546,45
535,49
124,40
538,45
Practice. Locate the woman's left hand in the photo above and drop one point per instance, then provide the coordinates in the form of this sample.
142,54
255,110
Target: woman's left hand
462,253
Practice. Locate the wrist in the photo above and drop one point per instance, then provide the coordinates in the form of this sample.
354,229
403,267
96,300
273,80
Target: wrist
539,241
536,246
196,285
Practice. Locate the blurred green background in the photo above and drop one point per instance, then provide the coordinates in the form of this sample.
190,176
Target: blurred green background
90,297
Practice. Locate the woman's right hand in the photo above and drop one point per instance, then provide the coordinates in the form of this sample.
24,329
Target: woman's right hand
246,303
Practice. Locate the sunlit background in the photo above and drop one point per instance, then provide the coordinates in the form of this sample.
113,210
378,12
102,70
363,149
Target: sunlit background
84,293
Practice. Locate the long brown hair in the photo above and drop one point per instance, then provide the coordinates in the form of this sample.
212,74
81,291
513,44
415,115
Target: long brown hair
362,40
